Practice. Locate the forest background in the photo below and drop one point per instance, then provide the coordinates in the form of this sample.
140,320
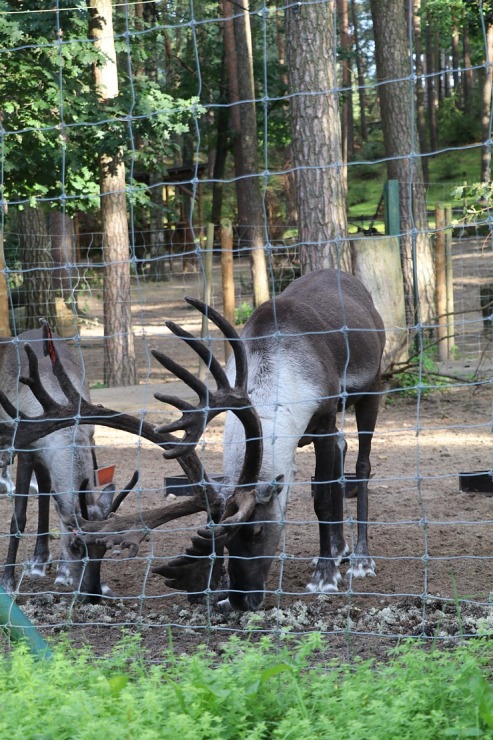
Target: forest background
126,127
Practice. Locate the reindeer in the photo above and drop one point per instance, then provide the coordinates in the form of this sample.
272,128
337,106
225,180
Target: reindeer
302,357
62,464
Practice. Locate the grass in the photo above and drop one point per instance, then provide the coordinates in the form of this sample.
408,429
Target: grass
262,690
446,170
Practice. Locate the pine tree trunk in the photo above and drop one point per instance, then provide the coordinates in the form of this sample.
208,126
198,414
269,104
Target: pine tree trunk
119,355
359,70
221,155
158,247
420,93
467,73
347,122
401,141
321,192
238,47
62,236
4,294
37,264
456,65
431,89
486,108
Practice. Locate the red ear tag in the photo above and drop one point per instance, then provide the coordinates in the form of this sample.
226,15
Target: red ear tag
105,475
51,346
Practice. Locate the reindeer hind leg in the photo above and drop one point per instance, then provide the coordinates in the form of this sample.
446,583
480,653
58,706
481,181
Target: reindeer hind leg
42,559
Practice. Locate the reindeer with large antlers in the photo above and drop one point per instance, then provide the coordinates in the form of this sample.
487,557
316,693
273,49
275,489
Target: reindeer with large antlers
63,464
301,358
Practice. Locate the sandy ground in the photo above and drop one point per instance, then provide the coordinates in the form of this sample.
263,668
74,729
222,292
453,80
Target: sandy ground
431,542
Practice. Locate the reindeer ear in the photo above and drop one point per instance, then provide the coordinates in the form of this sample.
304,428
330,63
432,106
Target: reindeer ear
264,492
105,500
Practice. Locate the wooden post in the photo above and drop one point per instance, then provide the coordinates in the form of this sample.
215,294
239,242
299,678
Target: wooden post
441,283
4,293
207,292
227,276
449,272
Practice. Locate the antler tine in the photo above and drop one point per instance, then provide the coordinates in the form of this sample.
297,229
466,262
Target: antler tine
128,531
78,410
202,350
194,419
230,333
124,492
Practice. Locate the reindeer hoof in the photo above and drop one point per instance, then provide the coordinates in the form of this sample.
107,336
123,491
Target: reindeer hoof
8,584
322,582
106,591
362,567
63,577
38,569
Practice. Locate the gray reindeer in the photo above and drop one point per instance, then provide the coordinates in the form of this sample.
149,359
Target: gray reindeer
301,358
61,464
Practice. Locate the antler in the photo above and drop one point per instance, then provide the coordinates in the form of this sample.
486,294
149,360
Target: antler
192,571
129,531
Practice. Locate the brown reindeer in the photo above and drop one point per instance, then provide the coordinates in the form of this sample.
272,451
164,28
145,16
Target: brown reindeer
302,357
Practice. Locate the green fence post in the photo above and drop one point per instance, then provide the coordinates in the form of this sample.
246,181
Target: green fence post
19,627
391,208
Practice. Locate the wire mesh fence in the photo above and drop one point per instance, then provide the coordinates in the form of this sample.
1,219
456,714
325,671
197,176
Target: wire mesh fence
430,487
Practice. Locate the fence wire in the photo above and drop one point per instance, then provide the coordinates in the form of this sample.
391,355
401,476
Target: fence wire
430,536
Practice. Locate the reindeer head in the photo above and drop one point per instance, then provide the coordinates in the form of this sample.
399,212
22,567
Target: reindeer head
233,519
86,557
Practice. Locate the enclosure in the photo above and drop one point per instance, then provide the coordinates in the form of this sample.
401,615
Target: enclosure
431,542
201,149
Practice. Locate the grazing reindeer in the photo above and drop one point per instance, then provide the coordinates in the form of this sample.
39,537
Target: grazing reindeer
63,463
302,357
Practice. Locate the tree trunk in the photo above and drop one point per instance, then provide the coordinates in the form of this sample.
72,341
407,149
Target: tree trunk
62,237
455,65
467,80
431,89
119,356
37,264
347,122
221,155
321,193
402,149
158,246
238,46
4,294
420,93
486,108
359,70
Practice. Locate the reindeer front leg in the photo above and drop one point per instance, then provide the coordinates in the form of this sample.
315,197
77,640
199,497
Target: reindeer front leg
366,416
328,503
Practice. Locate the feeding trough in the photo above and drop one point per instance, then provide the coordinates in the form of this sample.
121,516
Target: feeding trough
179,485
479,481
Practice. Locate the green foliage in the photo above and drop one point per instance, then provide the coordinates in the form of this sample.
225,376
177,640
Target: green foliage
243,313
420,376
457,126
54,127
269,689
476,198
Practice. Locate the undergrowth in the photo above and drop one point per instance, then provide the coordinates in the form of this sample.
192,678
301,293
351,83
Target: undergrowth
262,690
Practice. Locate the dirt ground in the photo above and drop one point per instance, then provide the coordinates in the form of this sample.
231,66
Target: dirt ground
431,542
